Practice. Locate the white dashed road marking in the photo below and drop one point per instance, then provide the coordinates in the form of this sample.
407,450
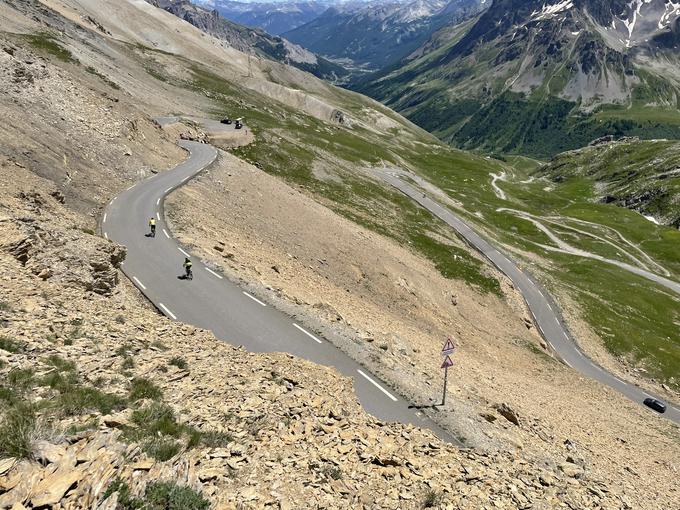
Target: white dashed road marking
158,201
378,386
166,233
213,273
168,190
254,298
166,310
158,216
106,235
308,334
138,282
185,253
105,215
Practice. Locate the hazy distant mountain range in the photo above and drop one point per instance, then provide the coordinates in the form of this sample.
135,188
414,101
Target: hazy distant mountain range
377,34
273,17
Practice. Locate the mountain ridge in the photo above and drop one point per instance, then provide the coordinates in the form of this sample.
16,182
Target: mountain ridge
375,36
545,67
252,40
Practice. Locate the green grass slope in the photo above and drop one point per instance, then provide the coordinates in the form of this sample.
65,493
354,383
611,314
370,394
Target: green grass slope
640,175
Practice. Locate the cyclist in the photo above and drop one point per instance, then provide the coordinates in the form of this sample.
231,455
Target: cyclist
187,268
152,226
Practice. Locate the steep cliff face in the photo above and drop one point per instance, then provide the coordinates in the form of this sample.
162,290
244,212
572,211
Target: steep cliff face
558,73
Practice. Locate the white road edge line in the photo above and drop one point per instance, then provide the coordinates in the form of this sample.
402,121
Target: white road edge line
138,282
308,333
113,200
377,386
165,308
166,233
254,298
167,190
213,273
106,235
105,215
185,253
186,178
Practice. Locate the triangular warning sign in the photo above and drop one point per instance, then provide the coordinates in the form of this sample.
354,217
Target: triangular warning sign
448,347
448,362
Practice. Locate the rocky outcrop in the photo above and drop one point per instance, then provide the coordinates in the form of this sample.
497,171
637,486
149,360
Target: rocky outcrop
69,257
72,256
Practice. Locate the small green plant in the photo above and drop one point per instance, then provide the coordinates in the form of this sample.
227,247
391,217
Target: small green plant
128,363
179,363
74,429
162,449
5,306
214,439
11,345
157,344
170,496
123,350
141,388
432,499
157,496
77,399
60,364
21,379
17,430
120,319
332,472
126,501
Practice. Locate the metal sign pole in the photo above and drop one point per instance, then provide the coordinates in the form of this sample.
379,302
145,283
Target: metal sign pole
446,376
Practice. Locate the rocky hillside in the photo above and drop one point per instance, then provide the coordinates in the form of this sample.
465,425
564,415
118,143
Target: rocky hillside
273,17
252,40
377,35
640,175
541,77
106,404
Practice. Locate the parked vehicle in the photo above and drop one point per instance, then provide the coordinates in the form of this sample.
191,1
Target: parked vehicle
655,404
226,120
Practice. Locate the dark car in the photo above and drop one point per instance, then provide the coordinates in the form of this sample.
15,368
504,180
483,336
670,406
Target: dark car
655,404
226,120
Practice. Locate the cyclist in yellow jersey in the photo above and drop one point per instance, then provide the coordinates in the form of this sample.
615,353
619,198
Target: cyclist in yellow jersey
187,267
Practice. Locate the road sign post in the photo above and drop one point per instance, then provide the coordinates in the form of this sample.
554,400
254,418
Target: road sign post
447,350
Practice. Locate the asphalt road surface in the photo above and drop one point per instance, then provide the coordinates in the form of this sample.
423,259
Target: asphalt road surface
211,301
543,308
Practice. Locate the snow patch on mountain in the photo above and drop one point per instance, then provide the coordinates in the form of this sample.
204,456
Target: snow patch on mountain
551,10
